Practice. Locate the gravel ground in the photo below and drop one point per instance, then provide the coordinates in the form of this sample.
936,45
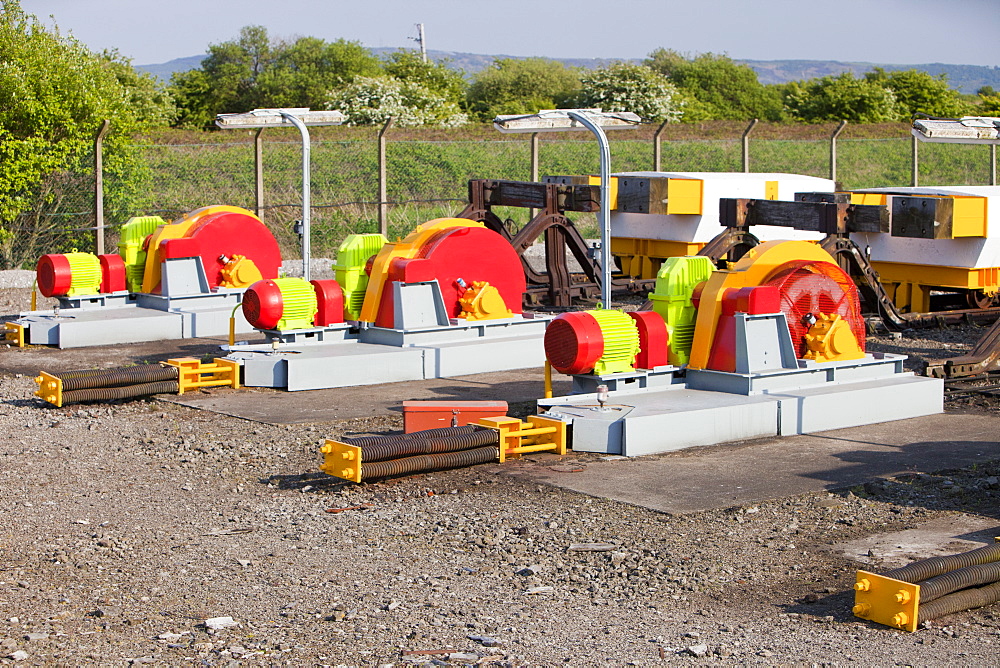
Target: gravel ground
127,526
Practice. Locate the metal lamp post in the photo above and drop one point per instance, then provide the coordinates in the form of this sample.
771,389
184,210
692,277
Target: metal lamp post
300,118
596,121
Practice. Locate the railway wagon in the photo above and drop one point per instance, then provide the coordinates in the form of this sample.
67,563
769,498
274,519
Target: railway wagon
668,214
939,239
944,239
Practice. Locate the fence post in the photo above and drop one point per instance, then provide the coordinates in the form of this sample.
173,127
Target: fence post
383,186
993,164
657,152
534,166
915,162
99,186
258,172
746,145
833,150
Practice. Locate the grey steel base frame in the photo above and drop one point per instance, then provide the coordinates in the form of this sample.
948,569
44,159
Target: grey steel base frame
718,408
186,308
144,318
344,357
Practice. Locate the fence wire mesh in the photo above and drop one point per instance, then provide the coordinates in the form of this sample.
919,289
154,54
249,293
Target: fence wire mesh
425,180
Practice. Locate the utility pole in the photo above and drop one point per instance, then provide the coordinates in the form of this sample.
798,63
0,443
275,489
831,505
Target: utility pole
421,40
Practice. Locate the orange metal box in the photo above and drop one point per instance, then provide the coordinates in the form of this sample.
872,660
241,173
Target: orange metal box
421,415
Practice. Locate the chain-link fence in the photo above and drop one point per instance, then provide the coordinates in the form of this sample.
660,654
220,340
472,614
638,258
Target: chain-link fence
425,179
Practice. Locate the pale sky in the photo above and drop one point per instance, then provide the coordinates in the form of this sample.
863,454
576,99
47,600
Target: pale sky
879,31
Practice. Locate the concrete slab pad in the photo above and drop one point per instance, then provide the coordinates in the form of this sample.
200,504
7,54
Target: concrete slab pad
737,474
939,537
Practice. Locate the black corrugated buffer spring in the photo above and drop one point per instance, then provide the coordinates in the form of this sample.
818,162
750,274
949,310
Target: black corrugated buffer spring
130,375
954,583
441,448
124,392
362,441
444,460
432,441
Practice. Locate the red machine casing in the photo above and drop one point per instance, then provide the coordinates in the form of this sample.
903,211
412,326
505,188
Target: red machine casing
329,302
469,253
226,234
112,273
653,339
757,300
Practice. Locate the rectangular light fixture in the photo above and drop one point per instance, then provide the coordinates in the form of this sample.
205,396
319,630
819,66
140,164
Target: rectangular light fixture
267,118
968,130
559,120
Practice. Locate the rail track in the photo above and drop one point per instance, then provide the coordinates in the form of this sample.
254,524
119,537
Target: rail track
987,385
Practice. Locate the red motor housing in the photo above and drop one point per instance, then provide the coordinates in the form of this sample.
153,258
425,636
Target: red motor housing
53,275
574,343
263,305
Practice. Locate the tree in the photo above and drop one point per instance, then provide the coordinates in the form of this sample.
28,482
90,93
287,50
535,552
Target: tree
436,77
628,87
989,104
843,97
254,71
521,86
372,100
919,92
54,94
716,87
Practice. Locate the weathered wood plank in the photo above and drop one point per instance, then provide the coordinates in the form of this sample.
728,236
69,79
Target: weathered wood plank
812,216
638,194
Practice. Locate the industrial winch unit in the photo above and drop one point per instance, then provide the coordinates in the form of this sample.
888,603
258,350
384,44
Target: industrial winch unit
444,301
774,346
169,281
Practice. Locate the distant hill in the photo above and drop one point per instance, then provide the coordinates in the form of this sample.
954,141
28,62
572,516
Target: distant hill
165,70
965,78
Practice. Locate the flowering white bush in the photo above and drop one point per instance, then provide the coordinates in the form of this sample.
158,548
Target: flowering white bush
635,88
372,100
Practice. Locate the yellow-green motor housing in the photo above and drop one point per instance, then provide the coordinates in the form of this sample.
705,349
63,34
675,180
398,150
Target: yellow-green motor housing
675,284
349,270
133,235
621,341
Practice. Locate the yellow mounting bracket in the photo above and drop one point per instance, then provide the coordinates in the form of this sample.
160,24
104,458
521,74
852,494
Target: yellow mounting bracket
886,601
14,333
49,388
193,374
482,301
538,434
341,460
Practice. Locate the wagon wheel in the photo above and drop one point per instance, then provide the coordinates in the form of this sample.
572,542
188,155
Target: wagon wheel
979,299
